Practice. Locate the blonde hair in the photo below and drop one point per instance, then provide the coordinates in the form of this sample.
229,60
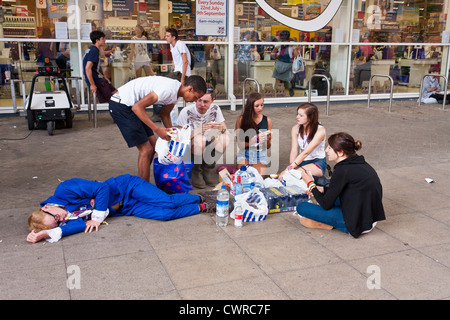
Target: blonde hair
35,221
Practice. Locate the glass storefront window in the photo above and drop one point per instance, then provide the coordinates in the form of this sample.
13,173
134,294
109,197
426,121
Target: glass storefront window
405,21
19,61
400,38
209,63
405,64
276,78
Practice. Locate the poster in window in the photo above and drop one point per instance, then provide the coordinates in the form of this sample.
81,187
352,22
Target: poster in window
211,18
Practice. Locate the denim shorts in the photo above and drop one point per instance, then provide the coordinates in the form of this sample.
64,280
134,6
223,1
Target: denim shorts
321,163
253,156
134,131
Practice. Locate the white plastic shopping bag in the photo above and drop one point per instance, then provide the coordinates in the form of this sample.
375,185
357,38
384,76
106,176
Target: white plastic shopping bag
294,178
253,204
259,181
272,183
298,65
173,150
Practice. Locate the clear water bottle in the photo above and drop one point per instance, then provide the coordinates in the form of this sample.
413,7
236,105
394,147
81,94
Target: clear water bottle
243,178
237,186
223,198
253,183
238,214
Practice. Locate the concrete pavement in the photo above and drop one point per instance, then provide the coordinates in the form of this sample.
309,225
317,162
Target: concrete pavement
405,257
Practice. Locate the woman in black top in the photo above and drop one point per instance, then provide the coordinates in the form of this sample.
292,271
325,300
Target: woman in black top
352,202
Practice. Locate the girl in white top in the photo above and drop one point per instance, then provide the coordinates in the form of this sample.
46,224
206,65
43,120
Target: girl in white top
308,142
139,54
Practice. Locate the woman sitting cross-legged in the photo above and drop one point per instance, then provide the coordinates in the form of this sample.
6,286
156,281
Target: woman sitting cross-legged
353,201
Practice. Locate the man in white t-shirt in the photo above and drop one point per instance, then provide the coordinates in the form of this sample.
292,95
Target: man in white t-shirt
127,108
182,64
180,54
209,138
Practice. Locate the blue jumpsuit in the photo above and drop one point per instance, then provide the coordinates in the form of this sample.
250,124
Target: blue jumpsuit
140,198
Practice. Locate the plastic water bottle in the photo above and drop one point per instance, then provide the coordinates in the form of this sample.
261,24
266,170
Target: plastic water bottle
253,183
243,178
237,186
238,213
174,115
223,198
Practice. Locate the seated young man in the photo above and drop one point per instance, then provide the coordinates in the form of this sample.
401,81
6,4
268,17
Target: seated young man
431,88
209,138
79,205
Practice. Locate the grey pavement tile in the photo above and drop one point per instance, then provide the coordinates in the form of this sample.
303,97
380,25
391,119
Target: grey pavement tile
442,215
439,253
285,251
409,275
393,207
416,230
129,276
38,282
252,288
18,254
328,282
16,220
191,230
347,248
207,263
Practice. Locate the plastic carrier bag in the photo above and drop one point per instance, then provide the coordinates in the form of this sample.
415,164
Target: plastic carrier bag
298,65
253,204
173,150
294,178
173,177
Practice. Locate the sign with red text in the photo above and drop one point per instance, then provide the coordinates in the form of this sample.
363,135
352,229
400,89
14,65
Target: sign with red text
211,18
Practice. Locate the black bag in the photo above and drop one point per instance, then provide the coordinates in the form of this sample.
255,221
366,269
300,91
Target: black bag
104,91
192,58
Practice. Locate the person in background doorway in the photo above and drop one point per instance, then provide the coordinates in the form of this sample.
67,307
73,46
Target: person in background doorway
431,90
284,54
140,59
97,83
244,57
180,55
46,50
181,58
319,83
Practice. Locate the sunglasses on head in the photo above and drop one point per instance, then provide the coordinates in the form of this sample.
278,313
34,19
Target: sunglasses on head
51,214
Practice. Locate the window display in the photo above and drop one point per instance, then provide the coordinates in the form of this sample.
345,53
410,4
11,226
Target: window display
347,41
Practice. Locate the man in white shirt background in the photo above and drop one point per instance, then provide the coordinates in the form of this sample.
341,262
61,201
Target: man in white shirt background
209,138
182,63
180,54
